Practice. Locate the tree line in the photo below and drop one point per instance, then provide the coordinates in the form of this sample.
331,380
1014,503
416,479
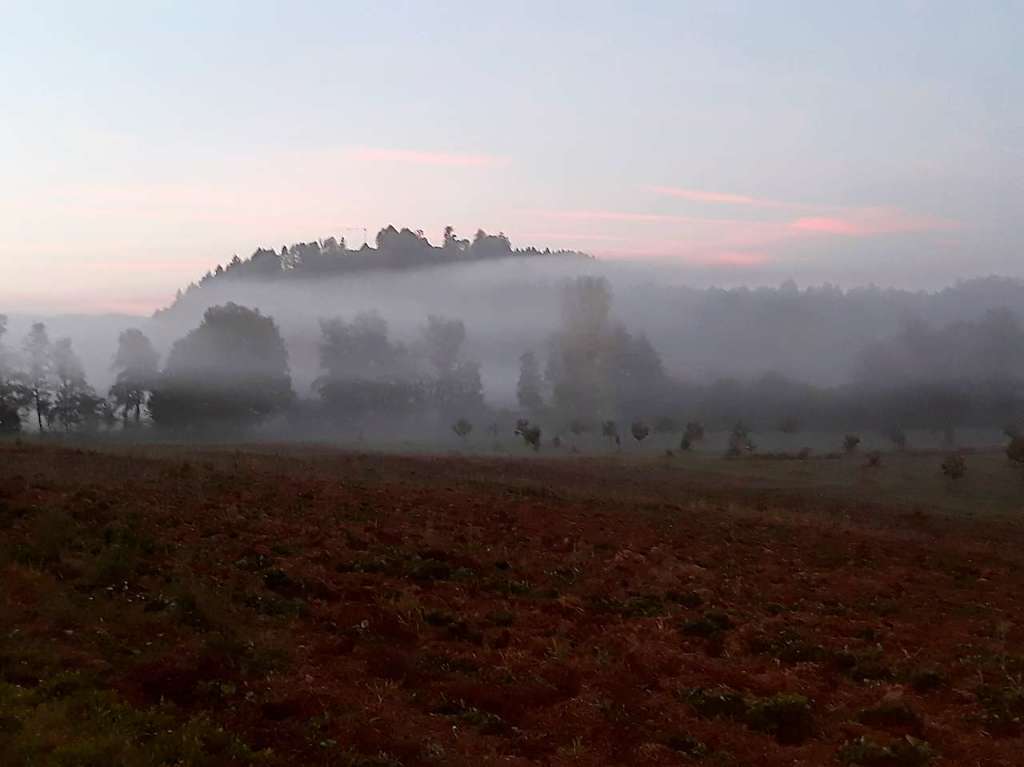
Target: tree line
394,249
232,372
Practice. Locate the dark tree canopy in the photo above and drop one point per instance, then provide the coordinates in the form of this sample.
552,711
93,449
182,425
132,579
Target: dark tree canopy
38,376
361,349
395,249
579,362
366,378
12,394
230,371
75,403
442,340
457,387
596,366
460,390
990,348
530,386
364,374
137,366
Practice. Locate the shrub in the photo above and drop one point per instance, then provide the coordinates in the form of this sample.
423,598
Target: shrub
610,430
785,717
1003,707
10,419
898,437
954,466
789,425
739,441
874,459
463,428
925,680
688,745
1015,450
865,752
851,442
640,430
71,721
665,425
694,431
892,715
718,702
531,434
713,623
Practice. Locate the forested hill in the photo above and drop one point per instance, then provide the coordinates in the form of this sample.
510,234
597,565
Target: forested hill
395,250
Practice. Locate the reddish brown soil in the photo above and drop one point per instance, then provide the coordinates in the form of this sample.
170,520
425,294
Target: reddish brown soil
347,609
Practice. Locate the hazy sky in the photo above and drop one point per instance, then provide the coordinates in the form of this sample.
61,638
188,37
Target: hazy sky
143,142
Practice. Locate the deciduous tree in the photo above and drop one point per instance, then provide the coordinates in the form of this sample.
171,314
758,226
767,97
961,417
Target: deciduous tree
137,366
230,371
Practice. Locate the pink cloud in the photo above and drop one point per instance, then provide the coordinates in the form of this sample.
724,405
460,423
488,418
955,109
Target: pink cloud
144,266
572,236
719,198
738,258
418,157
868,222
827,226
613,215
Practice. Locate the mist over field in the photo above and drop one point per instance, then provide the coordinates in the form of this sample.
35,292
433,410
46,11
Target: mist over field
817,334
534,384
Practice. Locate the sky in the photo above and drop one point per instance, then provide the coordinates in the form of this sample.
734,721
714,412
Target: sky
141,143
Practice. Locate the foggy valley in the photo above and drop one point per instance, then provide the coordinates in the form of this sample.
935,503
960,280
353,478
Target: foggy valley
465,384
776,346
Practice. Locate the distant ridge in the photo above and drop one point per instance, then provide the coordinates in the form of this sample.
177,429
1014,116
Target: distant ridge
396,249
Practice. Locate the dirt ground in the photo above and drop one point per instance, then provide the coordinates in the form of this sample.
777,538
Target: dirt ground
302,606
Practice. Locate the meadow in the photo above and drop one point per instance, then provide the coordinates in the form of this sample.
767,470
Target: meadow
235,605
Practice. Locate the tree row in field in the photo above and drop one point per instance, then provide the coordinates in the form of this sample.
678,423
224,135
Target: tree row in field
232,372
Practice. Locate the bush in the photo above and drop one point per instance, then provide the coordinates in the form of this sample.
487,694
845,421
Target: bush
1015,450
665,425
10,419
531,434
70,721
739,441
610,430
894,716
688,745
954,466
712,624
851,442
694,431
463,428
898,438
787,718
577,427
874,459
1003,707
640,430
865,752
925,680
789,425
